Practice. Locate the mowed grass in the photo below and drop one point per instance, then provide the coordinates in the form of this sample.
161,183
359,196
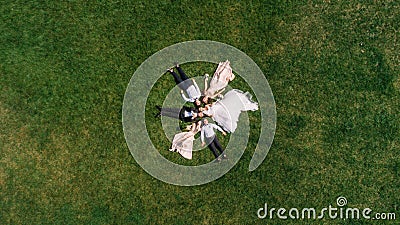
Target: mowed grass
64,66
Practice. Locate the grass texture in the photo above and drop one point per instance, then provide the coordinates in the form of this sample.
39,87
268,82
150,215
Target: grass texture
64,66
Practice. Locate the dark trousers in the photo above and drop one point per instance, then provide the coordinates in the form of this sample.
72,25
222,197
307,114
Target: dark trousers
177,113
183,80
214,145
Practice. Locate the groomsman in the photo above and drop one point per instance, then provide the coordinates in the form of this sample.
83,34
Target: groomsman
208,135
186,85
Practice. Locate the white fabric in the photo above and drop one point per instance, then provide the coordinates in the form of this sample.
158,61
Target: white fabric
223,74
183,144
188,114
226,111
193,92
208,131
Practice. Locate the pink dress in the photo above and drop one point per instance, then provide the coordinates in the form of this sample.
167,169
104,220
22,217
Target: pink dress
223,74
183,144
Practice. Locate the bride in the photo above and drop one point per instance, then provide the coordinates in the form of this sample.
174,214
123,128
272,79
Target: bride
226,111
183,142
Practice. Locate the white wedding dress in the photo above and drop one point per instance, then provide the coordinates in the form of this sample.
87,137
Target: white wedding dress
226,111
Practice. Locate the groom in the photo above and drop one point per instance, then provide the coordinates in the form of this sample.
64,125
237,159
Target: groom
185,114
207,132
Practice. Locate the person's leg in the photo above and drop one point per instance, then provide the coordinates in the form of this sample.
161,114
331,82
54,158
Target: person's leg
218,145
182,73
170,112
186,82
177,79
211,146
166,109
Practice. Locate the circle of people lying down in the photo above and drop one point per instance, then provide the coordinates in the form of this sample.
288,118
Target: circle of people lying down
223,109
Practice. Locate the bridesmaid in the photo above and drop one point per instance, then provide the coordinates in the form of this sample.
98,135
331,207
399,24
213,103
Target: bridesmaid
223,74
183,142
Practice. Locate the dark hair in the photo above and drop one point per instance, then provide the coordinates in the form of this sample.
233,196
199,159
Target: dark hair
202,98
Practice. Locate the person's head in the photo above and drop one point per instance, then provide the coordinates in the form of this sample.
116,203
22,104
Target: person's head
205,99
206,107
197,102
189,127
205,121
200,114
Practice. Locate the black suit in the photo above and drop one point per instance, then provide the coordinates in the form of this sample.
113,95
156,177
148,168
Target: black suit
180,113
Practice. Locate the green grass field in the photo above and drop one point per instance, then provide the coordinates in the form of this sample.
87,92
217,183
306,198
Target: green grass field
64,66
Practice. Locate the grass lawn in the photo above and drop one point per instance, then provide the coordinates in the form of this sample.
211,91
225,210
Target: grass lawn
64,66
